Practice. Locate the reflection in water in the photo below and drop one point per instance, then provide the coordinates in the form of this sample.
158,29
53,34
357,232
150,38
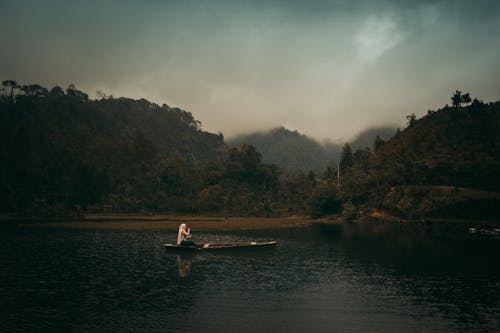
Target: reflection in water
184,262
346,278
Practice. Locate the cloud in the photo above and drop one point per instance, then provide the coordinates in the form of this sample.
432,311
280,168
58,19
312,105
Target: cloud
377,35
328,68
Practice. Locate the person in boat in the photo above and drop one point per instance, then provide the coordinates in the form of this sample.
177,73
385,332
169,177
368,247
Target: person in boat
184,235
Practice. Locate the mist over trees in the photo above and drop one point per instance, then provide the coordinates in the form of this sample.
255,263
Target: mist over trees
65,153
368,138
290,150
295,152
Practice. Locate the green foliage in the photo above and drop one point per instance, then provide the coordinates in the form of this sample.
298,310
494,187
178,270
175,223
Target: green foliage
346,159
349,211
324,200
62,151
449,147
412,118
67,152
361,157
379,142
240,184
9,87
295,192
458,99
331,172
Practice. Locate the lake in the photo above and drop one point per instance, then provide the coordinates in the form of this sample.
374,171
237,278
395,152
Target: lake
382,277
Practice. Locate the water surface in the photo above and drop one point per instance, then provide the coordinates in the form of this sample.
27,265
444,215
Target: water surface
342,278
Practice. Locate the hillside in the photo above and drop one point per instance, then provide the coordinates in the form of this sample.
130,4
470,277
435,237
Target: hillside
63,153
61,147
454,147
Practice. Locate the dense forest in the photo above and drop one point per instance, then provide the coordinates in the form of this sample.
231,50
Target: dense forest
64,153
61,150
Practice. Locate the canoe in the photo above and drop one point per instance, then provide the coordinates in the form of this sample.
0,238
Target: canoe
221,247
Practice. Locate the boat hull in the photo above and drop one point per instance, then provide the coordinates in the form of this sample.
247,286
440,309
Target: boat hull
245,246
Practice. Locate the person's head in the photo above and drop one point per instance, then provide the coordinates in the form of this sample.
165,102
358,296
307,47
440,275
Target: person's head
183,226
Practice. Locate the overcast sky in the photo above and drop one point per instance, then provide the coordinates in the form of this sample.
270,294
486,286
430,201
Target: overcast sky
328,69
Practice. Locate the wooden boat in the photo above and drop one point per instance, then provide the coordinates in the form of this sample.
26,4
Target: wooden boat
221,247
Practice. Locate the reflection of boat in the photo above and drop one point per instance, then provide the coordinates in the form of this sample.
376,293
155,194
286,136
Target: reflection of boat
221,247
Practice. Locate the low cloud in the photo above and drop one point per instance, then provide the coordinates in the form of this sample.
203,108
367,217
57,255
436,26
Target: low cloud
328,69
377,35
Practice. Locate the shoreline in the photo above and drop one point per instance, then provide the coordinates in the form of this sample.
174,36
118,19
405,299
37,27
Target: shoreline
171,223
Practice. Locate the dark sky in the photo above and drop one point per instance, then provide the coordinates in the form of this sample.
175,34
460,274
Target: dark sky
325,68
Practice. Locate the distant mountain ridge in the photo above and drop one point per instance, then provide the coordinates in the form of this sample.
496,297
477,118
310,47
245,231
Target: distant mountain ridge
293,151
290,150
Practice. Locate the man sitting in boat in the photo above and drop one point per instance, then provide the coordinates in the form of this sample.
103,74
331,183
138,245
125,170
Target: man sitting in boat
184,235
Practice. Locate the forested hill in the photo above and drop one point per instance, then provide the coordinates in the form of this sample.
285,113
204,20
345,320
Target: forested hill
61,143
290,150
445,163
63,153
457,146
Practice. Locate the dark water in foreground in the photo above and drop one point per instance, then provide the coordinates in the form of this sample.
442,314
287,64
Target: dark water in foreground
348,278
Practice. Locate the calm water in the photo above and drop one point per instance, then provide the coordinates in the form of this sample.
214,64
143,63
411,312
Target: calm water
348,278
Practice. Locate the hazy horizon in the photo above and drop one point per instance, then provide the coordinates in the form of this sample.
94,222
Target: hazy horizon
328,69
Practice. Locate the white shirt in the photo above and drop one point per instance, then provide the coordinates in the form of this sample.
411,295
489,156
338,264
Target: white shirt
183,234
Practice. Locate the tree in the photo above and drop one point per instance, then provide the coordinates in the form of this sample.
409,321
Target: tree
361,157
101,94
465,99
455,98
296,191
378,143
346,159
324,201
458,99
242,164
411,119
57,91
12,85
72,91
330,173
348,211
34,90
214,198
